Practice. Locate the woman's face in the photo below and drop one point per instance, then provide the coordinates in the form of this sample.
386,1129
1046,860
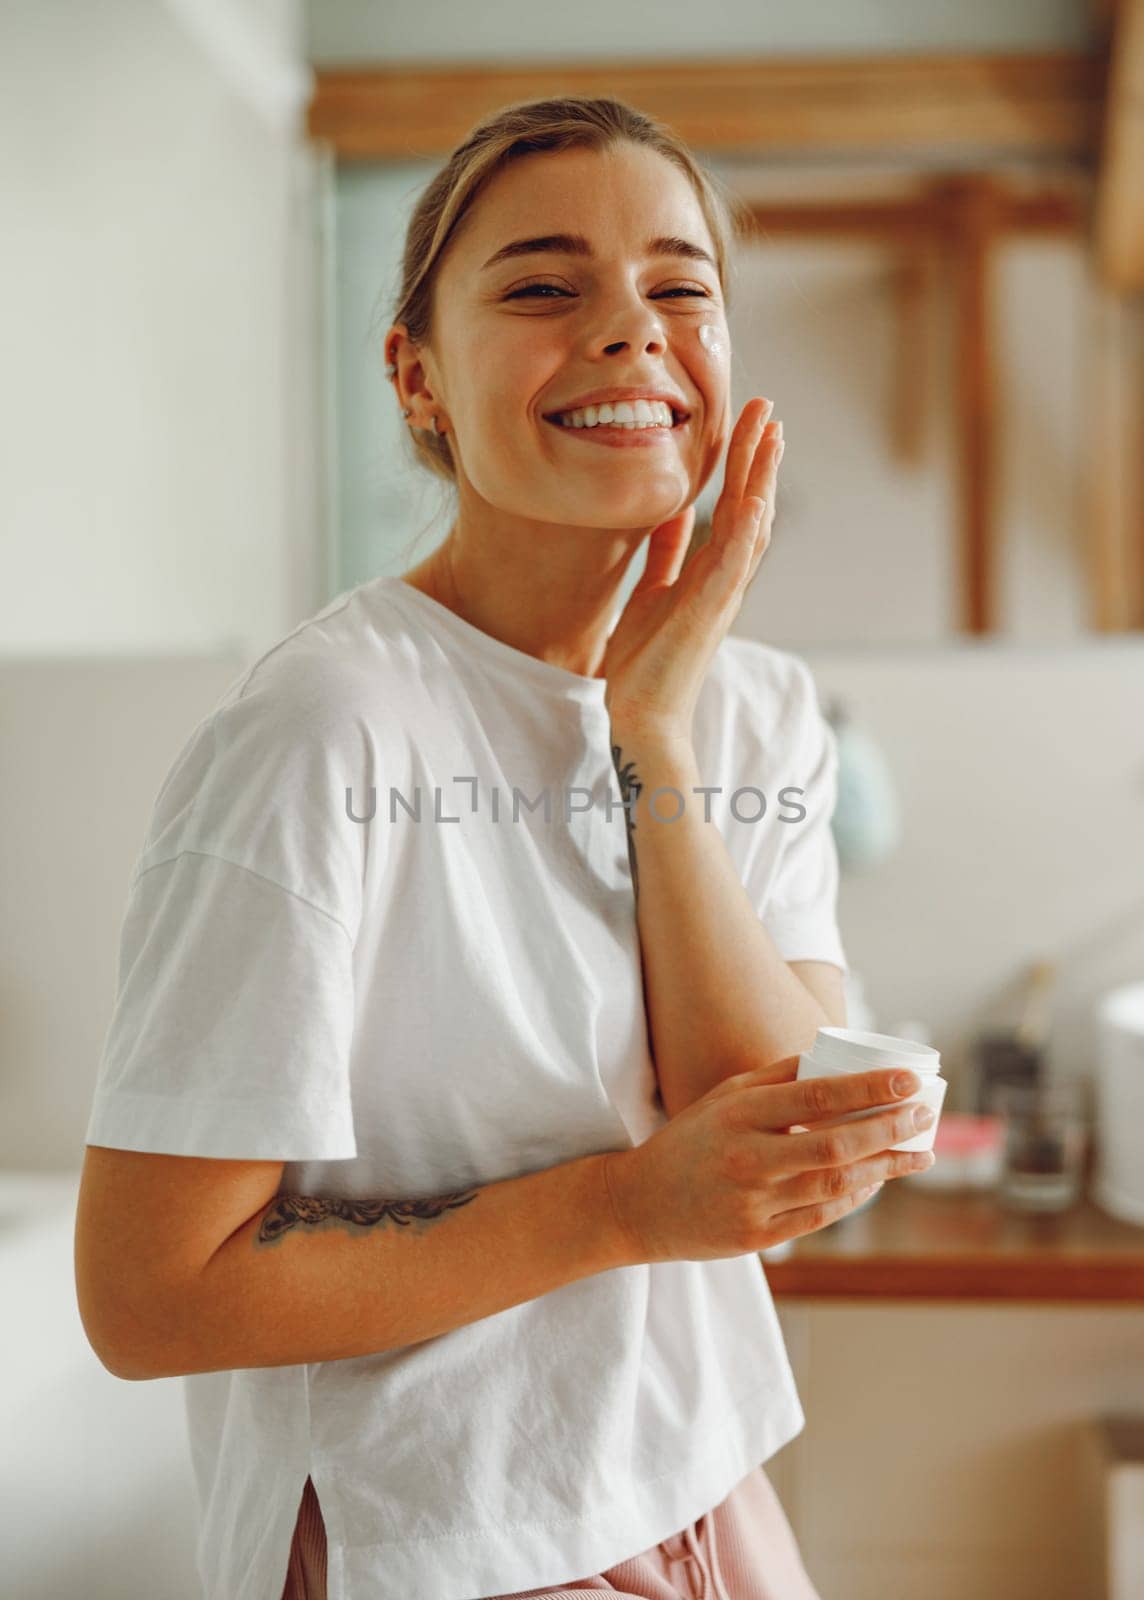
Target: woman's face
624,311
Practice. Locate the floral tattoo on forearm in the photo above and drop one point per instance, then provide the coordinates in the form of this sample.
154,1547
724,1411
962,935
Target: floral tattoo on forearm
303,1210
630,787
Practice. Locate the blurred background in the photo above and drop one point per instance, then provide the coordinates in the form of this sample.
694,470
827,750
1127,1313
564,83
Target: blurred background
942,289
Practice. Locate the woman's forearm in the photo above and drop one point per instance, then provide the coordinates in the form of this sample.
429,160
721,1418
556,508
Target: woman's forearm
309,1279
720,998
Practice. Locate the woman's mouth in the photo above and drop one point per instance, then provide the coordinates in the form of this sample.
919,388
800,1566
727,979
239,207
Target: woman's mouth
619,436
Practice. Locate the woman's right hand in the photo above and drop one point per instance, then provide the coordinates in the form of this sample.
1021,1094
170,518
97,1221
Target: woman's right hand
727,1176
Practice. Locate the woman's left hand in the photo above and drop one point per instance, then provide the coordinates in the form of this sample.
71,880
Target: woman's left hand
659,651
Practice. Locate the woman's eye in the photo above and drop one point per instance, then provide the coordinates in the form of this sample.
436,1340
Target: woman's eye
533,288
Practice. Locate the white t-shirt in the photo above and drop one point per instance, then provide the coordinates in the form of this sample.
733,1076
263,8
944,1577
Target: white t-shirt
410,1008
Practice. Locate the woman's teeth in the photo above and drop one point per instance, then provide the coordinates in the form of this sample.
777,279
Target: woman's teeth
624,414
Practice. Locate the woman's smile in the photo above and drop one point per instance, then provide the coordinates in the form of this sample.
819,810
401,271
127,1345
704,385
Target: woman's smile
620,438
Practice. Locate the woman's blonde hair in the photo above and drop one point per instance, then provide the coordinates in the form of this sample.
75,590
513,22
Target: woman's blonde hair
523,129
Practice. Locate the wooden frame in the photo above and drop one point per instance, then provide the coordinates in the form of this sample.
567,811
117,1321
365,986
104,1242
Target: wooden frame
1120,207
960,220
1115,498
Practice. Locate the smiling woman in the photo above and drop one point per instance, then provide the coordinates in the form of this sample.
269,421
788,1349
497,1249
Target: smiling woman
512,319
690,265
521,1084
654,242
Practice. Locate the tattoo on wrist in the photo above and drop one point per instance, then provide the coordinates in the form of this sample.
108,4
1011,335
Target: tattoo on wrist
304,1210
630,787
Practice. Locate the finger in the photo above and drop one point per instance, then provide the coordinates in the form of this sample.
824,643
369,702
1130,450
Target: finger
763,480
771,1106
721,573
741,487
767,471
830,1183
808,1219
833,1144
764,465
744,442
667,546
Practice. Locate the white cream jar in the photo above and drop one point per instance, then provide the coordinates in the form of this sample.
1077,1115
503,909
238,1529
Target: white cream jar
837,1051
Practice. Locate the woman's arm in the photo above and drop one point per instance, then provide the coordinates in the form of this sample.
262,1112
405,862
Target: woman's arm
720,998
310,1278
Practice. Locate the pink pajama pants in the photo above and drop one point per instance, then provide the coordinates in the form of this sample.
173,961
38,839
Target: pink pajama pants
742,1550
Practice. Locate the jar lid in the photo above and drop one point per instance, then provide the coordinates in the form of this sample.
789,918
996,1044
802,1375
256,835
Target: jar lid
854,1050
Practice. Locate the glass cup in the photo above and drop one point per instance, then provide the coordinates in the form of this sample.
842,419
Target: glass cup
1046,1137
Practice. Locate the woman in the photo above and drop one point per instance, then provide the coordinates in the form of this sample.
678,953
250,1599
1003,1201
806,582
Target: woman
560,1026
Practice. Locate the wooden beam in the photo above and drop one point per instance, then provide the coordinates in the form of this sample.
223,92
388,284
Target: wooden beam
1104,15
915,219
1037,104
972,203
1120,195
1114,499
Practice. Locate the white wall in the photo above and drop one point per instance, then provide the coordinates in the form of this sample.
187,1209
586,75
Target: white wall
87,744
159,491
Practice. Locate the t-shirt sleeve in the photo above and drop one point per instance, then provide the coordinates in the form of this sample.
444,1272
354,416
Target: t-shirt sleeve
801,912
233,1021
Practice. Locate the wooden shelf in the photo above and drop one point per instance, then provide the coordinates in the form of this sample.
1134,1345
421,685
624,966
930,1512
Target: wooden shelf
912,1243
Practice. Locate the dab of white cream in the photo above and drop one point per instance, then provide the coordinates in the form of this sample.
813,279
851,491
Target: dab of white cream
710,340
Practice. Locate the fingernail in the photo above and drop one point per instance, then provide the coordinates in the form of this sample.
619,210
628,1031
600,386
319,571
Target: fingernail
905,1083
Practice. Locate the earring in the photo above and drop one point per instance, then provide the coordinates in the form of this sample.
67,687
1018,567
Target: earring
391,370
434,426
407,411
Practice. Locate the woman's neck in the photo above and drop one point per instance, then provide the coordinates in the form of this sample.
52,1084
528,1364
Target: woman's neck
571,632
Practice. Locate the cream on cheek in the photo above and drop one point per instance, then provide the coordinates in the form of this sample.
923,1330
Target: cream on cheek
710,337
713,344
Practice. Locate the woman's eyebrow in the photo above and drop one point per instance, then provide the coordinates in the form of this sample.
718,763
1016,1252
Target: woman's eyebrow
575,244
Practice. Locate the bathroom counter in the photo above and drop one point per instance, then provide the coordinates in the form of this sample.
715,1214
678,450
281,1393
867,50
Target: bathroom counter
911,1243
